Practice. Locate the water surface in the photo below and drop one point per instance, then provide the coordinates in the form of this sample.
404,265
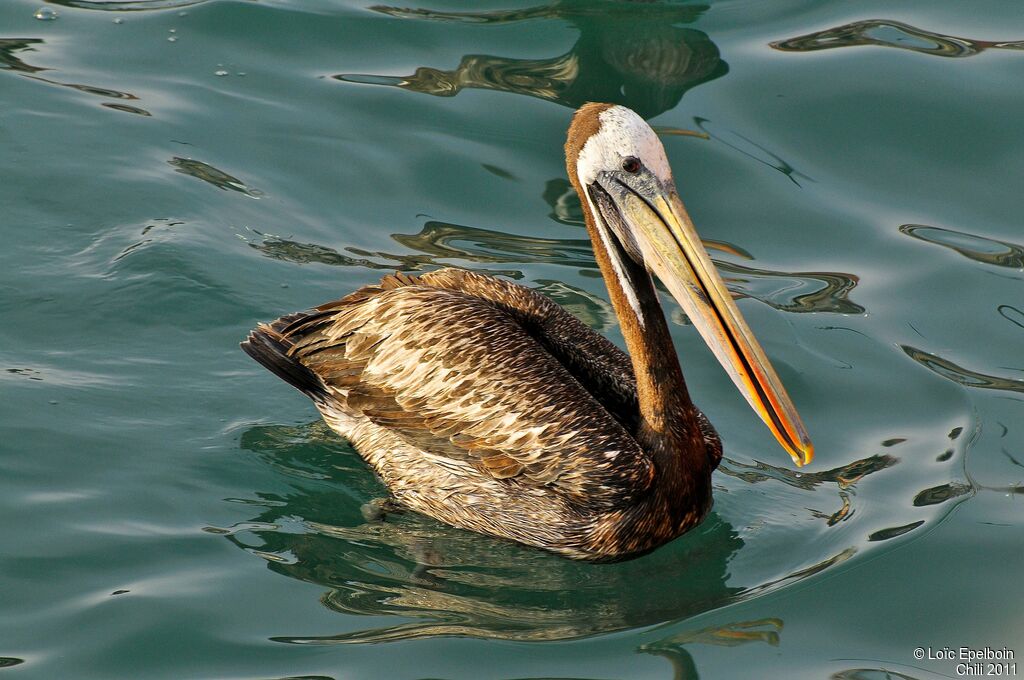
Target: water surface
178,170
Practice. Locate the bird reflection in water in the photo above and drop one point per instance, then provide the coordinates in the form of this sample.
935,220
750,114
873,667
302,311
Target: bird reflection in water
457,583
885,33
453,582
632,53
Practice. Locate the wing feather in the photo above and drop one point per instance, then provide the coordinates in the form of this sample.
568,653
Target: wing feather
473,380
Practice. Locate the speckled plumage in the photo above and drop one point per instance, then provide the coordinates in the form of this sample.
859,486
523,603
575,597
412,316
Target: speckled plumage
487,406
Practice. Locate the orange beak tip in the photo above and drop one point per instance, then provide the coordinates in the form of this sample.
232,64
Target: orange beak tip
805,455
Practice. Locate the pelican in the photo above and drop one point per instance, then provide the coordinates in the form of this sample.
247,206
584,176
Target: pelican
485,405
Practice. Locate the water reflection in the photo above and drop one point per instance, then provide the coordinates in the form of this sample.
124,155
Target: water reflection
452,582
1011,314
443,240
959,374
446,244
731,635
443,581
10,62
126,5
211,175
885,33
977,248
843,477
437,243
800,292
893,532
565,204
882,673
635,54
941,494
592,310
752,150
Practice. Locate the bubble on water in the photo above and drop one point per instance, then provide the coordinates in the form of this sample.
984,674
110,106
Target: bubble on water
182,14
46,14
172,30
220,72
172,39
119,20
240,73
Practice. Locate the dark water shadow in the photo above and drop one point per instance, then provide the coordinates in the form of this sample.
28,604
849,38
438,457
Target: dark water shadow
886,33
631,53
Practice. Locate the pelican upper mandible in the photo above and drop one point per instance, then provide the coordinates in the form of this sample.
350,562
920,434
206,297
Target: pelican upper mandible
487,406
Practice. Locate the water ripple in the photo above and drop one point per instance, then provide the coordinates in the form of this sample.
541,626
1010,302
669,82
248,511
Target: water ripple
1011,314
211,175
977,248
893,532
126,5
560,9
445,243
9,62
800,292
457,583
752,149
959,374
887,33
637,55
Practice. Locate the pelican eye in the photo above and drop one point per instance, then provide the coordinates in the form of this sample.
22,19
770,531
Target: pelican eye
631,164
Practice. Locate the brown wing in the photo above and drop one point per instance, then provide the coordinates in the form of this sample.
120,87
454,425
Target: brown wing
471,378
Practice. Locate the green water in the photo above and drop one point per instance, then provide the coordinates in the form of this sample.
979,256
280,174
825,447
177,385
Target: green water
176,171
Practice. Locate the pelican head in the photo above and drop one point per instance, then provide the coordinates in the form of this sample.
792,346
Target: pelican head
619,166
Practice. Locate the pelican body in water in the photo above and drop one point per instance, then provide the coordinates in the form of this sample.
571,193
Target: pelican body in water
487,406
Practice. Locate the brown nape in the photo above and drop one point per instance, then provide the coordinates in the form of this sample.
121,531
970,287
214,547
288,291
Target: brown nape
669,427
585,124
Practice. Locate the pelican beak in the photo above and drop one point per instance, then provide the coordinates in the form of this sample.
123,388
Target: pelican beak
672,250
